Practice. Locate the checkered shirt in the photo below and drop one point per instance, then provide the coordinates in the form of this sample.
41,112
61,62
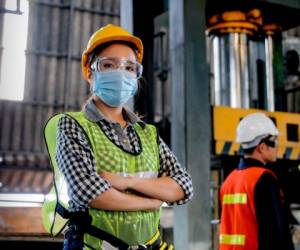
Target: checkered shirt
75,158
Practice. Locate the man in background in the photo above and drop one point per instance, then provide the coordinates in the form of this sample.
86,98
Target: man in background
253,215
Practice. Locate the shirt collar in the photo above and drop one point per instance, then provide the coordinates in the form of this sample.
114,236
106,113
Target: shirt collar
93,114
250,162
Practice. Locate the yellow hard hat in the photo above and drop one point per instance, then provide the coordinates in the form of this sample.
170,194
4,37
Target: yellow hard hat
106,34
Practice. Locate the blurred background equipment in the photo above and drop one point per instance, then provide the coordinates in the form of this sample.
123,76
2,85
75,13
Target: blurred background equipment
253,65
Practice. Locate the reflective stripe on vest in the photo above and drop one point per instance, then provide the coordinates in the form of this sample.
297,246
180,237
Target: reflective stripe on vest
233,239
239,198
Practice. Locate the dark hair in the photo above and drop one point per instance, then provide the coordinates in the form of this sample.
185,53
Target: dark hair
103,46
249,151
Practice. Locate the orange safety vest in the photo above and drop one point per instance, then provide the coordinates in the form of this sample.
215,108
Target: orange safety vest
239,229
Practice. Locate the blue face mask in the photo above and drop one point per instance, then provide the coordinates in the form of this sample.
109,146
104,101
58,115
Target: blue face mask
114,87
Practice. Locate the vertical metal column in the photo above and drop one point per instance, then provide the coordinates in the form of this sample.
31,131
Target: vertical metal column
244,67
270,99
229,57
216,65
235,78
229,34
273,53
191,128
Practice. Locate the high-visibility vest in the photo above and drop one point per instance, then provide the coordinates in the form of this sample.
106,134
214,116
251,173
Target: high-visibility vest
239,228
132,227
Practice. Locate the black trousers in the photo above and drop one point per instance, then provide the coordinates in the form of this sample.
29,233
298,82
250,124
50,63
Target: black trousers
73,238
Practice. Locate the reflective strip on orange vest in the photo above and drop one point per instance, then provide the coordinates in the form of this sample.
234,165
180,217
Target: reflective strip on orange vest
239,198
232,239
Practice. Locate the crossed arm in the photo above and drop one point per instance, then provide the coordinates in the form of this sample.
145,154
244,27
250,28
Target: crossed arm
154,191
115,200
173,185
162,188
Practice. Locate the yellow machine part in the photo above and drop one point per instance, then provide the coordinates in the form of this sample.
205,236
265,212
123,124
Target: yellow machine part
226,119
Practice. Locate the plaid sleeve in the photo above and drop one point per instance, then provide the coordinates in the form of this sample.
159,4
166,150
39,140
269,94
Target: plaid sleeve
169,166
75,159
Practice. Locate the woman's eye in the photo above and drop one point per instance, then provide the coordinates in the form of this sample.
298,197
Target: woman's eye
130,68
107,65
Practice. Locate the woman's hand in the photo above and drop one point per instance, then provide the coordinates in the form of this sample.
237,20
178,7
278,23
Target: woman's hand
114,200
118,182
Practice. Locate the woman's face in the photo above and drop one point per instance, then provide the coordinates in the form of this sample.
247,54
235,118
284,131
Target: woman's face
116,71
117,51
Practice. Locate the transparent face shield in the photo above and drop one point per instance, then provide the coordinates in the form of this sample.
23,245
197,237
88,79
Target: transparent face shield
102,64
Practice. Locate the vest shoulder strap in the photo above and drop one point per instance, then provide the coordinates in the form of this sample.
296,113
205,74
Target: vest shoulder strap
149,128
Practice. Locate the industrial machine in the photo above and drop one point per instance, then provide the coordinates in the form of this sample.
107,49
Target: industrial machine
247,74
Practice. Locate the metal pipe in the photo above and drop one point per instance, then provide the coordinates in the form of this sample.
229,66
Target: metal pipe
244,71
231,62
224,70
216,71
230,68
235,71
270,100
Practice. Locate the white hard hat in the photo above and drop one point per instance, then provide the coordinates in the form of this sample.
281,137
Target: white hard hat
253,128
